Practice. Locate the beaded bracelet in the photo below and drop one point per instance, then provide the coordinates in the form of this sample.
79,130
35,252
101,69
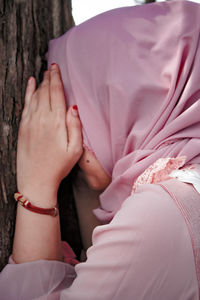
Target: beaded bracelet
27,204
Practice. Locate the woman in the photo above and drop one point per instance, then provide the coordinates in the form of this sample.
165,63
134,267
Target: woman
134,75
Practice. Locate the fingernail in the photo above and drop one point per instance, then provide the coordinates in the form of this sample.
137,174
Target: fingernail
30,80
75,110
53,66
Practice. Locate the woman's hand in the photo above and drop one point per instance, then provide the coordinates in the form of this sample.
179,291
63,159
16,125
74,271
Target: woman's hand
49,138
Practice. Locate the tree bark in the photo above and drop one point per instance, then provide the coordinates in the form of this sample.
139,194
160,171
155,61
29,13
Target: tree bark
26,26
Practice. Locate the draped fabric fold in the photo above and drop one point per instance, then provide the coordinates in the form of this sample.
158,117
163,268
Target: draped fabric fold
134,74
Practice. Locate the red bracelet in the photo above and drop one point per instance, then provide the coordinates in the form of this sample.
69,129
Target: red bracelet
27,204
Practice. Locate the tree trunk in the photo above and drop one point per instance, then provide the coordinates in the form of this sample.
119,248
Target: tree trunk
26,26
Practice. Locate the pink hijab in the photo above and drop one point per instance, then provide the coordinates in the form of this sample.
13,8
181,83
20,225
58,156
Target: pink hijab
134,73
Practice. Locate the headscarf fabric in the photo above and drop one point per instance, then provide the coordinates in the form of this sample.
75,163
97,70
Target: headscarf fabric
134,73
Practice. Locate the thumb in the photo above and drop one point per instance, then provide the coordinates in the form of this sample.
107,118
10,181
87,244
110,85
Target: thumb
74,133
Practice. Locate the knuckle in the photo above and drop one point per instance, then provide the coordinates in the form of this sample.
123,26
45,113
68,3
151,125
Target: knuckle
55,71
44,85
35,96
39,119
77,151
56,87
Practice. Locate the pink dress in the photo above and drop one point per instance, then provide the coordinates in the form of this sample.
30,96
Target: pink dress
150,250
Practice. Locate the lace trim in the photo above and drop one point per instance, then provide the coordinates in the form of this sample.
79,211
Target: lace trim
159,171
188,176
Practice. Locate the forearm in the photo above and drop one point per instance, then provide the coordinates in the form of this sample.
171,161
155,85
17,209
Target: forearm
37,236
49,145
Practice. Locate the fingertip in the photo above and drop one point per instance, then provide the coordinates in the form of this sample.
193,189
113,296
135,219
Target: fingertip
54,67
31,81
31,85
72,116
74,110
30,89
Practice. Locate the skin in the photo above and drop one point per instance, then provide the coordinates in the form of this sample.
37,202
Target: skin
90,181
49,145
93,172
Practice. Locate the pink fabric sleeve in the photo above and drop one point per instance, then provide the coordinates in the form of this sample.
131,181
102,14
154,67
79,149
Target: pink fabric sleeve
68,254
144,253
39,279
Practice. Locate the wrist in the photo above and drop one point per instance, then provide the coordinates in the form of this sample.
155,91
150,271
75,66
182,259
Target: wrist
41,197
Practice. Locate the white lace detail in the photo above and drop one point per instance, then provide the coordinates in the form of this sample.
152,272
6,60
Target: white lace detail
159,171
187,176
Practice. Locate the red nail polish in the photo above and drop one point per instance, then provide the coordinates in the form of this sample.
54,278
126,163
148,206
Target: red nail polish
75,107
30,79
54,66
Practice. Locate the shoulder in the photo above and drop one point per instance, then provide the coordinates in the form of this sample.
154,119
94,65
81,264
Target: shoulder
157,222
153,204
151,216
149,240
